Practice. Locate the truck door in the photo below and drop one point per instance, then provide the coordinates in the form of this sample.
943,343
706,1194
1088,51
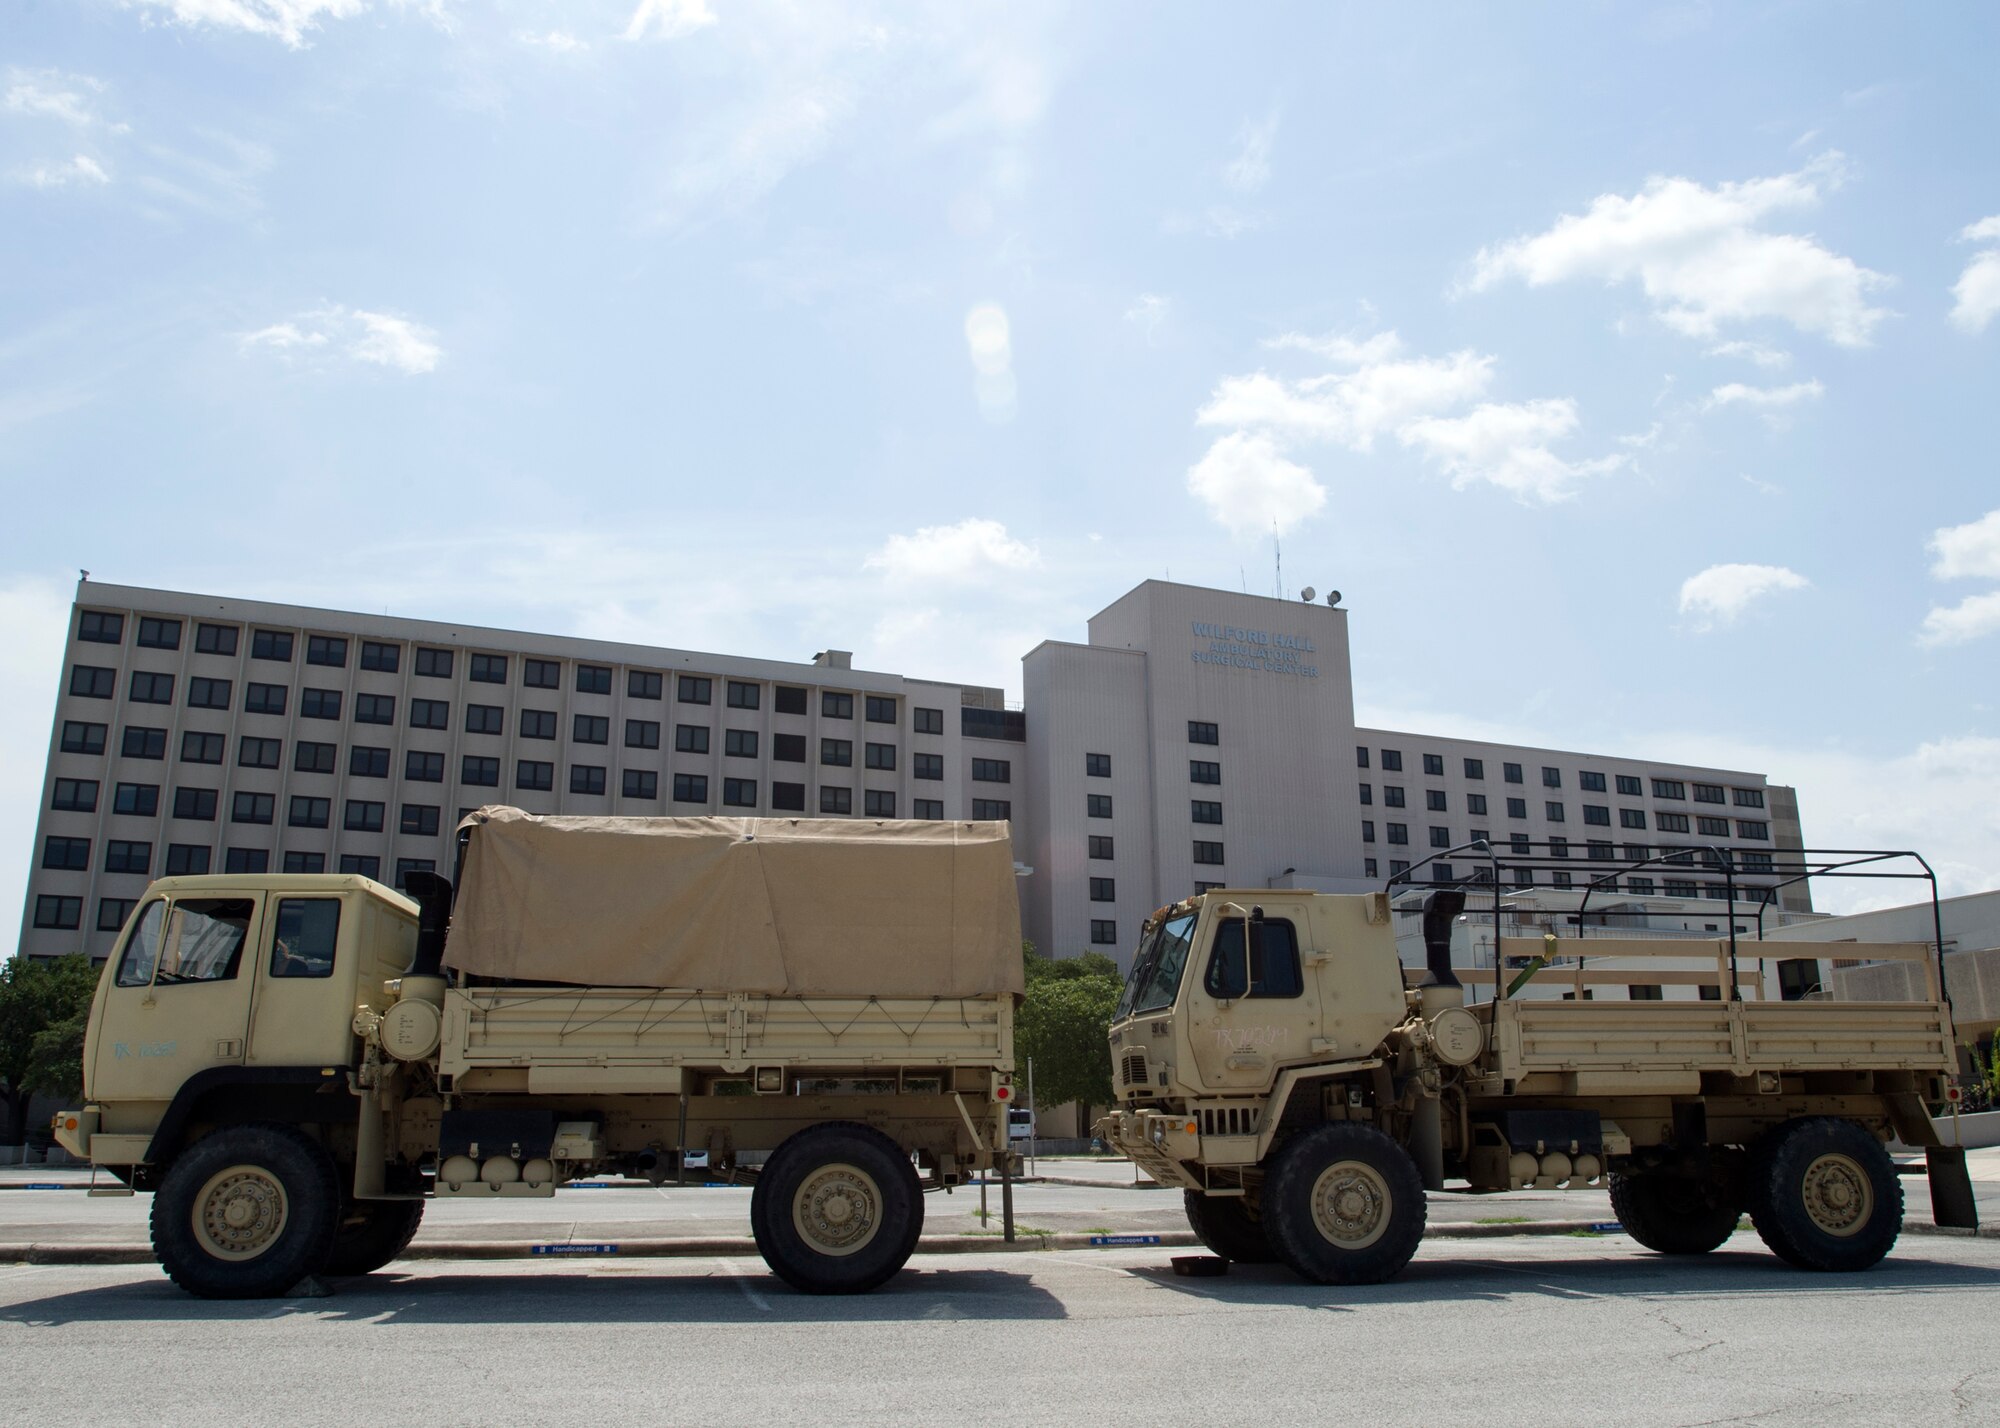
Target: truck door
1251,1011
305,996
178,996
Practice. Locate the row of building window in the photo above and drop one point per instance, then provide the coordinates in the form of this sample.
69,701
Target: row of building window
1636,885
1440,837
1595,814
1629,785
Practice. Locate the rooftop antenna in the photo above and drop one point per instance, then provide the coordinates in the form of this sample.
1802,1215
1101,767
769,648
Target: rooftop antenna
1244,576
1278,568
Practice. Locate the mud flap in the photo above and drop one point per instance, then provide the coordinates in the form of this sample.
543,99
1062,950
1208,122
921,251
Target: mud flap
1952,1205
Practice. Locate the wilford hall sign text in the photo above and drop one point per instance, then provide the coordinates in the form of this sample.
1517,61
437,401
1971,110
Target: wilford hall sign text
1255,649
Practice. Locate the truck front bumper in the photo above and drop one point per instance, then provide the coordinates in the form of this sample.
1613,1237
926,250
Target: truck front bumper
1157,1142
73,1130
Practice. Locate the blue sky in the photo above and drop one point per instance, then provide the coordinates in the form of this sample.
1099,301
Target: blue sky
1632,370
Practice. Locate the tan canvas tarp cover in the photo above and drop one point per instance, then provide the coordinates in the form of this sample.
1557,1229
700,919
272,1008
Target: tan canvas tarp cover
800,907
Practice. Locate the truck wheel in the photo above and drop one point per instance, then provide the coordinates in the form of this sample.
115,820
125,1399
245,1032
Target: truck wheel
1344,1204
1824,1195
246,1212
837,1209
1226,1227
372,1233
1671,1214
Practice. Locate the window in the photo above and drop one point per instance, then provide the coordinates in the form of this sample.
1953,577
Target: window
1669,788
1629,786
1368,868
689,739
1671,822
320,704
1631,818
252,808
1104,890
112,912
479,771
1475,804
148,688
1680,887
1440,837
590,729
1434,800
1392,761
1553,812
1097,805
1756,862
541,673
1103,932
695,688
406,866
82,738
536,775
1264,966
1205,812
208,693
384,659
992,771
645,733
361,864
271,645
1590,782
124,856
835,706
586,778
141,799
1402,865
839,753
642,783
1398,832
195,804
1202,732
433,664
1367,795
1100,846
538,723
246,860
836,800
1208,854
1551,778
788,797
1562,880
1746,829
593,679
1203,772
878,803
788,748
690,788
1511,772
1749,797
1361,756
420,766
928,721
215,639
992,809
1392,795
1597,815
1518,842
1097,766
1600,850
1442,873
739,695
186,860
927,808
309,812
739,792
485,719
75,795
58,912
881,756
420,820
1712,827
430,714
644,684
68,855
1637,852
264,699
90,681
326,649
1558,847
1368,830
373,708
309,757
790,699
1475,768
258,753
1434,765
881,710
100,629
363,816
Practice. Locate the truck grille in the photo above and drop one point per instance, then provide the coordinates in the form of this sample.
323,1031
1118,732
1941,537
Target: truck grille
1133,1071
1229,1120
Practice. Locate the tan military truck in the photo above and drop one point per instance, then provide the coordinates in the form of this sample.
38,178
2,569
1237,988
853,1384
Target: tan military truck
295,1065
1270,1061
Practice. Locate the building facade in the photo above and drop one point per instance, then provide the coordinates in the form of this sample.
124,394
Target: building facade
1198,738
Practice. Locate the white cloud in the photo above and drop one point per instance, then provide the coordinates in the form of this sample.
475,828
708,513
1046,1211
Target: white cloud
51,94
1736,394
1352,408
287,21
283,335
1216,221
80,170
1767,357
1148,311
1976,294
1251,489
396,342
1507,445
1717,595
1701,258
668,19
1970,550
1970,619
375,337
1339,347
989,341
970,552
556,42
1250,170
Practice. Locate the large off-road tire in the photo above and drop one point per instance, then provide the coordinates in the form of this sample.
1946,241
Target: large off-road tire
1343,1204
837,1209
1226,1226
246,1212
371,1234
1824,1195
1672,1214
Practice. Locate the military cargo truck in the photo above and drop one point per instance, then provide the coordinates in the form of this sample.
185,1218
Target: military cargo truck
294,1066
1270,1061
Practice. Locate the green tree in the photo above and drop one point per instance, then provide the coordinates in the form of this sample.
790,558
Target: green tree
1064,1025
44,1006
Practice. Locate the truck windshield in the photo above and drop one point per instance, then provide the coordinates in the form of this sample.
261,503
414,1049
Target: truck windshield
1156,972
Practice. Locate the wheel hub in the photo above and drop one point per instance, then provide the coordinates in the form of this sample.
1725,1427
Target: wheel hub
1838,1197
1350,1205
837,1210
240,1213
